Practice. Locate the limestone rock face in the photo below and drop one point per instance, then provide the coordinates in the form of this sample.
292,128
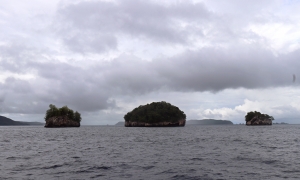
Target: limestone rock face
159,124
60,121
256,120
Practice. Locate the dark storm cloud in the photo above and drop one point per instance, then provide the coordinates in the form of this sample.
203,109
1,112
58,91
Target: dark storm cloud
215,70
91,88
205,70
93,25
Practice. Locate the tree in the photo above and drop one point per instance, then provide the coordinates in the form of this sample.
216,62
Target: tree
63,111
77,117
52,111
71,114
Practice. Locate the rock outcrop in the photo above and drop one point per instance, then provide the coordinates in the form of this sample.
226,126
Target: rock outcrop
61,121
256,120
159,124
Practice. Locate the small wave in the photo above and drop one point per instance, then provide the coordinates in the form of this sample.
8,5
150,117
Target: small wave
291,171
269,161
11,158
97,176
52,167
83,171
252,173
148,167
273,147
100,167
169,171
93,169
192,170
197,159
124,166
190,177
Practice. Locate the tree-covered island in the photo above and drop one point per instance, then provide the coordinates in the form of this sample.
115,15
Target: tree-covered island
62,117
257,118
156,114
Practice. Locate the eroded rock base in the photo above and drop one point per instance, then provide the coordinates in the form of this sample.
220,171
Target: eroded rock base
160,124
60,121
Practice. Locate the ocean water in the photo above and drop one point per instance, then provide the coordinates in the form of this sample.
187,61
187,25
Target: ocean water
191,152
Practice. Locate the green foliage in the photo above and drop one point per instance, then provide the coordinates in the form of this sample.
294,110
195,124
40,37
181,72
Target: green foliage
155,112
77,117
63,111
252,114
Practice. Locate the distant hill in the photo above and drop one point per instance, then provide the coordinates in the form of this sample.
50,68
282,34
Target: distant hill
209,122
121,123
4,121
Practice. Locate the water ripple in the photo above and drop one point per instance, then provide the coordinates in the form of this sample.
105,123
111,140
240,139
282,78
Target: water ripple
192,152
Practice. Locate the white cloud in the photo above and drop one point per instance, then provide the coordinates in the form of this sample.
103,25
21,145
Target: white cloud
281,103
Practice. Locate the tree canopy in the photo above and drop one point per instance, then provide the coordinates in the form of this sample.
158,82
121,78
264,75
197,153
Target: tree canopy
155,112
63,111
252,114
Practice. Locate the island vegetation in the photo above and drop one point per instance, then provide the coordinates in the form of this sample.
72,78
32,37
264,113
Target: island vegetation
155,114
63,111
257,118
62,117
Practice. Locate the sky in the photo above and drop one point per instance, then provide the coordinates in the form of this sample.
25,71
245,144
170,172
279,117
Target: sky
212,59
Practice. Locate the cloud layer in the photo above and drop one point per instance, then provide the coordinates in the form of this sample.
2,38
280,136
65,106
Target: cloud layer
94,55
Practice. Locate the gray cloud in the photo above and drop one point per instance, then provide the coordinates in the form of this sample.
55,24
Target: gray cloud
86,23
90,26
208,69
91,88
90,42
91,54
215,70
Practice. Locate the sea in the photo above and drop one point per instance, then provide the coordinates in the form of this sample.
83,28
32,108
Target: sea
196,152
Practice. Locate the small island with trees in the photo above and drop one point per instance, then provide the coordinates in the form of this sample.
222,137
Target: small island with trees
156,114
61,117
257,118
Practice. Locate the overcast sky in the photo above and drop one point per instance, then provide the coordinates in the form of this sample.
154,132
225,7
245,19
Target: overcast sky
212,59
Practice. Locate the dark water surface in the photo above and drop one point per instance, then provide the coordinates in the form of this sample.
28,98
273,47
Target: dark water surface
191,152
